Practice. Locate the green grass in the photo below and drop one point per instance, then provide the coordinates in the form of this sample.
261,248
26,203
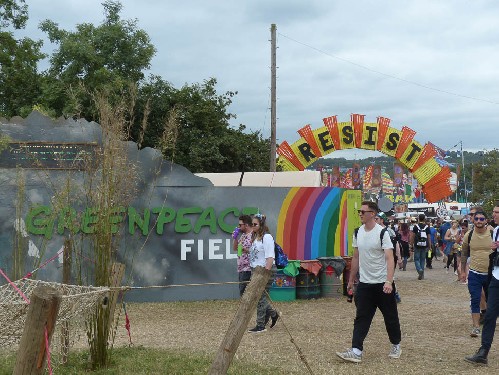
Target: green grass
140,360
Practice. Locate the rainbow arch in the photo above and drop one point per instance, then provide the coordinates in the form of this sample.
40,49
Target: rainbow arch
314,222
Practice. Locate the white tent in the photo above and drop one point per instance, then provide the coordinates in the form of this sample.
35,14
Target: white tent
270,179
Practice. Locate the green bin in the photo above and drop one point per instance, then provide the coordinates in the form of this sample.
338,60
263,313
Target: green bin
283,287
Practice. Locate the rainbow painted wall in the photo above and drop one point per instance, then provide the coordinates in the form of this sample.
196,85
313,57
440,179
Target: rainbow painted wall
318,222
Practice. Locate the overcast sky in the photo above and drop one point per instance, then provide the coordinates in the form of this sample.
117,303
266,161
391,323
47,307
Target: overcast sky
430,65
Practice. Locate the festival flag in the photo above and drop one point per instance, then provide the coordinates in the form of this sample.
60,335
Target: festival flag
441,153
346,180
387,183
368,174
376,176
335,177
398,174
356,176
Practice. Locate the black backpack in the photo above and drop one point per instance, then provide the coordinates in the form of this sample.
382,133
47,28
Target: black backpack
421,239
381,235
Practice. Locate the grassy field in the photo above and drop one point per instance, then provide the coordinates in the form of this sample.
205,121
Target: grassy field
140,360
183,337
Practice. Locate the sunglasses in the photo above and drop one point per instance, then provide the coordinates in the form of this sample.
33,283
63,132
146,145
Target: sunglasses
254,224
240,225
479,219
362,212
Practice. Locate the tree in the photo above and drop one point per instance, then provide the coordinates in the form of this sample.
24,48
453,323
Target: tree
13,12
205,141
111,56
20,82
486,180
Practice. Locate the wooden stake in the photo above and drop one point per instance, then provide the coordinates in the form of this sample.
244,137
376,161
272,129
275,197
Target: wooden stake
66,279
42,314
239,324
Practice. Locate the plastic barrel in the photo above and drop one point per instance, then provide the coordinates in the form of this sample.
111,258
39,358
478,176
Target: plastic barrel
307,285
331,285
283,287
331,276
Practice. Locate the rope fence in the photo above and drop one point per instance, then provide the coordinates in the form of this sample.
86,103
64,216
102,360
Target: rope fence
74,295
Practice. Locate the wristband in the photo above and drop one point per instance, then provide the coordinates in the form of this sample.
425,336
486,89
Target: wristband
388,282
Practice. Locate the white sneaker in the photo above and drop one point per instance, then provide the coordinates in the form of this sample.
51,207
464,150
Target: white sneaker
475,332
395,351
350,356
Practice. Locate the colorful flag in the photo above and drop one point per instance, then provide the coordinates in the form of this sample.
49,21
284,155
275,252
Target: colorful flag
398,174
346,180
387,183
356,176
376,179
335,177
368,174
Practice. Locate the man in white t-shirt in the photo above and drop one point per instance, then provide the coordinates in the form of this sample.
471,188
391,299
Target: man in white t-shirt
490,319
373,260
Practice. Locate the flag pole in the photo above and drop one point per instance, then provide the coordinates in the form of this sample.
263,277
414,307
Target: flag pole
464,177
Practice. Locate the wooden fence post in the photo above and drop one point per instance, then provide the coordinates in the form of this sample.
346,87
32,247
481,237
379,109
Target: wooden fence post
66,279
42,314
239,324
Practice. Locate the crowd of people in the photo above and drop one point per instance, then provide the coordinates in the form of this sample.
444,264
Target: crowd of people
468,244
255,248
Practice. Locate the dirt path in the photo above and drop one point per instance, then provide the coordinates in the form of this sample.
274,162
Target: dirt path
434,315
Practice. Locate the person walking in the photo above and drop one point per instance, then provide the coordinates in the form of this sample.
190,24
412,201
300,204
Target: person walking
382,220
242,236
262,254
420,240
442,231
476,246
452,238
405,235
373,260
490,319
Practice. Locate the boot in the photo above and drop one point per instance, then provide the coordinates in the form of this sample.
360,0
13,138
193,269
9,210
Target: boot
479,358
405,264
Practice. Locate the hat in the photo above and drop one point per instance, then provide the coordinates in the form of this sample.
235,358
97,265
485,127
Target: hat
382,216
447,218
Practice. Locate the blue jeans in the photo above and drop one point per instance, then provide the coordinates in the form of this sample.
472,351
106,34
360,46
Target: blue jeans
420,258
489,323
475,284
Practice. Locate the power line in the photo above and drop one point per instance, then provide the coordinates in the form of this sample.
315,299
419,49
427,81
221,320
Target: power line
390,75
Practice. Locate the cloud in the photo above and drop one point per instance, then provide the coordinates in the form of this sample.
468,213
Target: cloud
422,63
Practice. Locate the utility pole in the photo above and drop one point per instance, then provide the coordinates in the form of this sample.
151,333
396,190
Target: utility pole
273,98
464,176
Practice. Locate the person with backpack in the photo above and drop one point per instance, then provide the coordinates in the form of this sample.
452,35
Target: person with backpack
373,260
432,253
490,319
382,220
476,246
262,254
420,240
